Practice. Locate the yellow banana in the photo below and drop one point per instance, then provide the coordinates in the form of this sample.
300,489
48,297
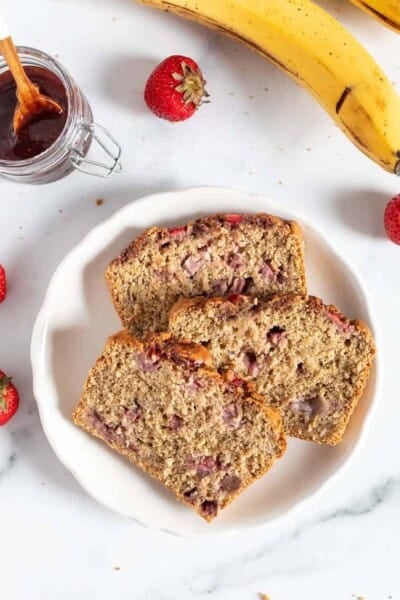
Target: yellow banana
386,11
316,51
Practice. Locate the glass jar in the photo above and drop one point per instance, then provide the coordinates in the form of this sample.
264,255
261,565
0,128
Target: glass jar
80,133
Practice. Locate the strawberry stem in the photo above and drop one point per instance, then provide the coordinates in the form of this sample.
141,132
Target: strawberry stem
4,383
191,85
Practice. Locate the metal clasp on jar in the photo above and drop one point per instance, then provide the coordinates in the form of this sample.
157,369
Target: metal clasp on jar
86,134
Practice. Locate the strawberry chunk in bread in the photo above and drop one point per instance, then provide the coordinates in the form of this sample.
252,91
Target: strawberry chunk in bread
303,356
204,436
212,256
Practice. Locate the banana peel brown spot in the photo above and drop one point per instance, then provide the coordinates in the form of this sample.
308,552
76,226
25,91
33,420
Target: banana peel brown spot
342,99
381,103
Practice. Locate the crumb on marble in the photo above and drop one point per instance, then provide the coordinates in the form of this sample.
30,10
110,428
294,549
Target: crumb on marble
117,568
99,201
263,596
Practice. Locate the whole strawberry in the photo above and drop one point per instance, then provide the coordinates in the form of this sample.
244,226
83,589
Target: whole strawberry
392,219
175,89
3,284
9,399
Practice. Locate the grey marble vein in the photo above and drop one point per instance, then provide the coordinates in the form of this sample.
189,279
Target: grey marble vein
365,505
9,463
224,573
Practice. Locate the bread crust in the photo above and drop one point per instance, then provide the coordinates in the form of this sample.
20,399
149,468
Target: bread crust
159,235
197,357
233,306
146,237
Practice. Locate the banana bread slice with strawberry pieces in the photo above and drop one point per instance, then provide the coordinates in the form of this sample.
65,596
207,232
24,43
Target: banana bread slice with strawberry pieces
205,436
303,356
212,256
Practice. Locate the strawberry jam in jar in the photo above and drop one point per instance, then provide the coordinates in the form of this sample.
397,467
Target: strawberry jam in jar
52,146
41,133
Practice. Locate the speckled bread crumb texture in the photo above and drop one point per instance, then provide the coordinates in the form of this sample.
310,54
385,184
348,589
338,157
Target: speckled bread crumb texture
205,436
306,358
212,256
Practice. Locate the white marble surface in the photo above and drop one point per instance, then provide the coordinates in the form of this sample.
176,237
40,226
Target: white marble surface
55,542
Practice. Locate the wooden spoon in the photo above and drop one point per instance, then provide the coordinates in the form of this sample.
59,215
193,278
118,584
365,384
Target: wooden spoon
31,103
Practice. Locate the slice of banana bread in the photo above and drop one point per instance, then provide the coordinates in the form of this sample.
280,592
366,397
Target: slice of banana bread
304,357
204,436
213,256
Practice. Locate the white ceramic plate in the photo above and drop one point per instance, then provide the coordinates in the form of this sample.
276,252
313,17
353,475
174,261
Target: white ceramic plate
70,332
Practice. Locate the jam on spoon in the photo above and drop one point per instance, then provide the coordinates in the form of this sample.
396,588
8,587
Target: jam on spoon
43,129
31,103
